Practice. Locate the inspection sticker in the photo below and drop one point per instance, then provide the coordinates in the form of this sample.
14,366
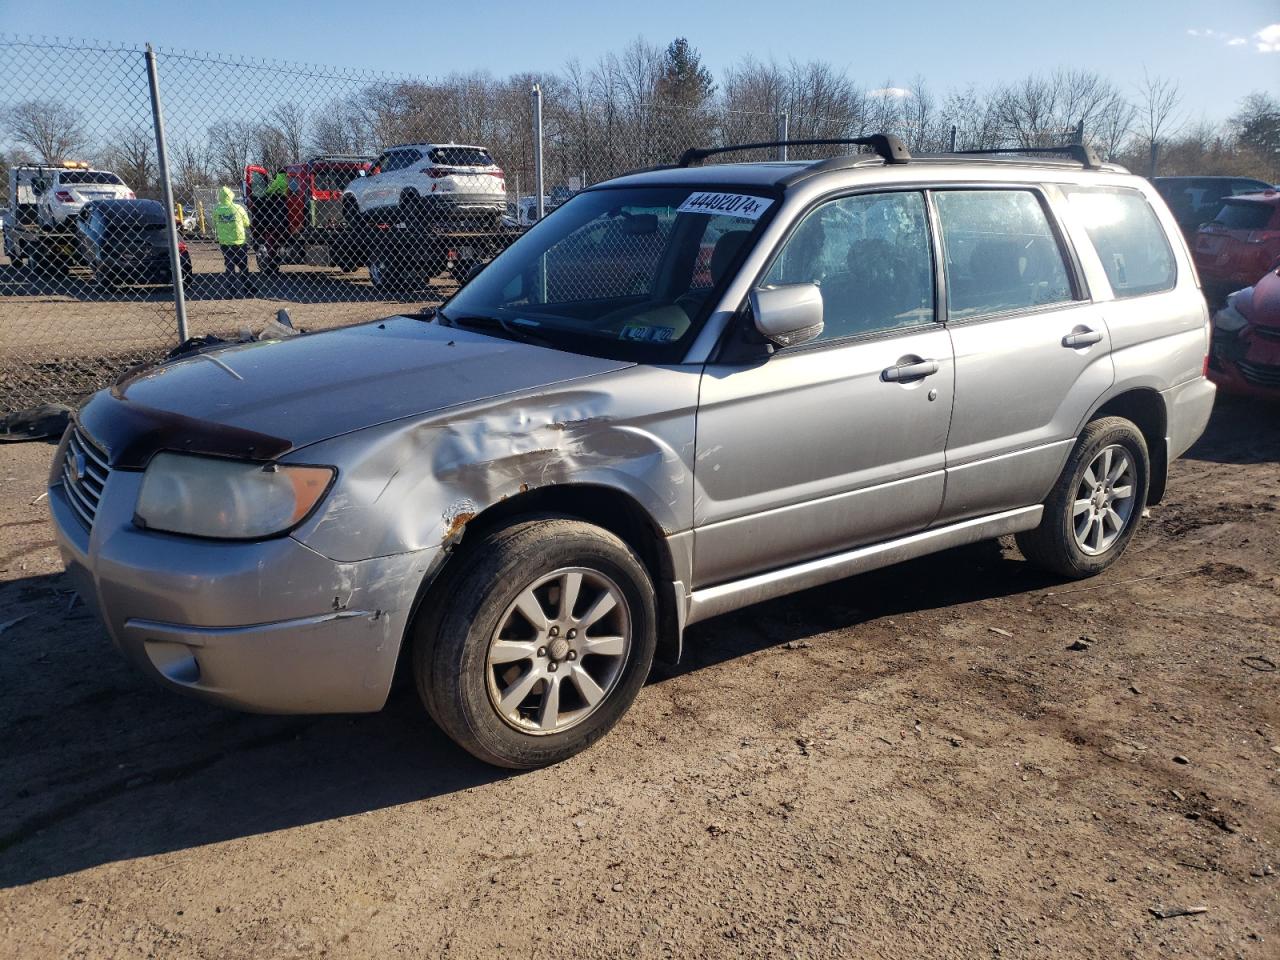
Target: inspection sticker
740,205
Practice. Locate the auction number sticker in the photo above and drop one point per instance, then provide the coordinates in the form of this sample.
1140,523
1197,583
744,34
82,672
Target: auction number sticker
740,205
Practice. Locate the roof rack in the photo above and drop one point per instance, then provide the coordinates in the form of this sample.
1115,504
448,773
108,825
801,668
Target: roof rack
886,145
1076,151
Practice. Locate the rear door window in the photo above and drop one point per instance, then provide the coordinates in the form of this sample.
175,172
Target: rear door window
1002,254
1129,240
1244,215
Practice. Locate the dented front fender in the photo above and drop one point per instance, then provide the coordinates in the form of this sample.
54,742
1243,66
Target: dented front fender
416,483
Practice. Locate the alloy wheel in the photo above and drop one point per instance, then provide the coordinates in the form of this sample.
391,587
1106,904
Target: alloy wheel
559,650
1104,501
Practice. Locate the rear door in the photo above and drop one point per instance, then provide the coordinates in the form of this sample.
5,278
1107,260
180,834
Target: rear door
1032,352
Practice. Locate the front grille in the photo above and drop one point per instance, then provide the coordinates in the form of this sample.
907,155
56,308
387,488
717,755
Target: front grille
1261,374
84,475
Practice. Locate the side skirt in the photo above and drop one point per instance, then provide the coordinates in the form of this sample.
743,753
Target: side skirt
713,601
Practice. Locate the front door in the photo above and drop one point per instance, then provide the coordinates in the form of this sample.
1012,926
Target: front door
1032,352
838,442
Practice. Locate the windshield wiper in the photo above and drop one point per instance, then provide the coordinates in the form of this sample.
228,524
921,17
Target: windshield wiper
517,331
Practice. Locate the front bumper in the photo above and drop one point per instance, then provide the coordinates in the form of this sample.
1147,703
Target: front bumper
1246,363
268,626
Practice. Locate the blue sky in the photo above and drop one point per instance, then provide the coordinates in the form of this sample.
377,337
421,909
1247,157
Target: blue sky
1211,49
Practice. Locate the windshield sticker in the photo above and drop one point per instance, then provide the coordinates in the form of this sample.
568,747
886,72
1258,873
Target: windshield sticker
740,205
639,333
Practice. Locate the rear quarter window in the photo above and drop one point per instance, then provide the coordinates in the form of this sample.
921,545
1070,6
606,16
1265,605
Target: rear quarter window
1128,238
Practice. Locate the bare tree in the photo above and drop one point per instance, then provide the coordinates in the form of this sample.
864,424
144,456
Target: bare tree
1159,99
231,146
131,154
54,130
290,122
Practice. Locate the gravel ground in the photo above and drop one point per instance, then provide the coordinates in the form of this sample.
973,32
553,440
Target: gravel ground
924,761
63,337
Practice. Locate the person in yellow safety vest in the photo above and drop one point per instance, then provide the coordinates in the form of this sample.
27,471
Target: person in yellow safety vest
231,228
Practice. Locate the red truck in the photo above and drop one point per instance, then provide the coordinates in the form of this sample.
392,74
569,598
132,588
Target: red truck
310,215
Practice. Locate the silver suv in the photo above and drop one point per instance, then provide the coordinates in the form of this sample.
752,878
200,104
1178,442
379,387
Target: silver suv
687,390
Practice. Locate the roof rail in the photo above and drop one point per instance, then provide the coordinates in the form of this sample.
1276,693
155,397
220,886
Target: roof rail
1076,151
885,145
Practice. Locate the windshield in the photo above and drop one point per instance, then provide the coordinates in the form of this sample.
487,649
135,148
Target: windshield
622,273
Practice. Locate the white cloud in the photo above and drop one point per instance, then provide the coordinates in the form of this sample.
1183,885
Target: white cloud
1268,39
894,93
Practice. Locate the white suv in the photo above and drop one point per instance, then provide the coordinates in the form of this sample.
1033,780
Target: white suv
65,192
449,179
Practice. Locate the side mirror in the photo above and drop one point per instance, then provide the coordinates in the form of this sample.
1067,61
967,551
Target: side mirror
788,314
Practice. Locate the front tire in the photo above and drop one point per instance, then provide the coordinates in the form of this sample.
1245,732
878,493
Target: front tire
1095,507
536,642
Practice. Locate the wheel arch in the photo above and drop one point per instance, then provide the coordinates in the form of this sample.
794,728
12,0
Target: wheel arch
1145,408
607,507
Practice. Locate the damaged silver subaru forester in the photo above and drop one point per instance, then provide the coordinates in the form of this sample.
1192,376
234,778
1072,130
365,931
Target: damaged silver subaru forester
688,390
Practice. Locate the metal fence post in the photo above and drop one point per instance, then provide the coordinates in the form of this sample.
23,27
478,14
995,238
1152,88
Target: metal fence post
954,131
783,124
166,185
537,148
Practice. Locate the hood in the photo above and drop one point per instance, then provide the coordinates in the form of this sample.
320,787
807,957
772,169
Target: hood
263,399
225,196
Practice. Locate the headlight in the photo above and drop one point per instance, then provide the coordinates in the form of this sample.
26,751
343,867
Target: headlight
228,499
1229,319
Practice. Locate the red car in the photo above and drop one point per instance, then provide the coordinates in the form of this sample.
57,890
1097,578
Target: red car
1239,244
1245,357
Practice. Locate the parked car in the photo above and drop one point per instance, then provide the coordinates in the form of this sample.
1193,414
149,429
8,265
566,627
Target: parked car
524,211
525,496
443,180
66,191
1235,248
1246,340
126,242
1197,200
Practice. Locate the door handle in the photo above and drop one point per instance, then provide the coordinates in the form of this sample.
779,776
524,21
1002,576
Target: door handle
907,369
1082,337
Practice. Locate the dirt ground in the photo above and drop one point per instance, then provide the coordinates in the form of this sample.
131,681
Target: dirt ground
916,762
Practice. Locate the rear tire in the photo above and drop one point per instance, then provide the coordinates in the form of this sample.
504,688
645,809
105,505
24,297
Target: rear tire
1095,507
518,695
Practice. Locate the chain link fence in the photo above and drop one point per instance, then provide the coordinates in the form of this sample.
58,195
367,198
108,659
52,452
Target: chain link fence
340,195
